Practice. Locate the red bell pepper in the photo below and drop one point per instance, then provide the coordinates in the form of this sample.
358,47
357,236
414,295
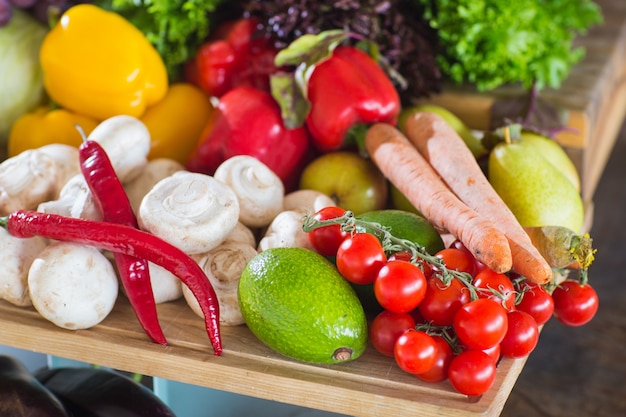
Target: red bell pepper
347,90
248,121
235,56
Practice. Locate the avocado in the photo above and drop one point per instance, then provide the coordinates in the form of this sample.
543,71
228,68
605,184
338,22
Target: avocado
296,302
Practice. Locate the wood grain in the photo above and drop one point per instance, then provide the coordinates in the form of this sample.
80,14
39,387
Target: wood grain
369,386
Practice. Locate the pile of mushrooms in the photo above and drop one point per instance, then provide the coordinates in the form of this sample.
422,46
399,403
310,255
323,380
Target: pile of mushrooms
221,221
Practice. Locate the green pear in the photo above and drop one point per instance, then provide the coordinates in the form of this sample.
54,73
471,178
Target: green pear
555,154
536,191
472,142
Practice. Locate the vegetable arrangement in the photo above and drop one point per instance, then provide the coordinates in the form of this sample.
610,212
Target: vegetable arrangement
134,190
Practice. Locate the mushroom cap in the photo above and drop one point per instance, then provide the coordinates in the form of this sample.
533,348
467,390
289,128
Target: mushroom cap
72,285
192,211
259,190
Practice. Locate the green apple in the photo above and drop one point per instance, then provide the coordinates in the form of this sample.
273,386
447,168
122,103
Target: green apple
353,182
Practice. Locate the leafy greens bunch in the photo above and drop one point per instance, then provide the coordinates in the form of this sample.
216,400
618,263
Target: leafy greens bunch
175,27
489,43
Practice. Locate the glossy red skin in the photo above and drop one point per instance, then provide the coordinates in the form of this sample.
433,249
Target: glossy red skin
574,304
521,336
248,121
386,328
326,240
480,324
472,372
347,89
112,202
537,302
359,258
415,352
439,371
488,280
456,259
441,302
234,57
400,286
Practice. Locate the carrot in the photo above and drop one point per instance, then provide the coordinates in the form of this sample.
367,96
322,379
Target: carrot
404,167
446,152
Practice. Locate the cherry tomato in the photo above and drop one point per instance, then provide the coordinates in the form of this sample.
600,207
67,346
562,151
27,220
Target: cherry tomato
480,324
457,260
359,258
521,336
478,266
472,372
494,353
386,328
326,240
415,351
399,286
536,301
496,286
441,302
439,371
574,304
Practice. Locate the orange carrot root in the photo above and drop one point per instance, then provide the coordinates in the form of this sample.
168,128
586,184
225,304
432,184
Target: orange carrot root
404,167
446,152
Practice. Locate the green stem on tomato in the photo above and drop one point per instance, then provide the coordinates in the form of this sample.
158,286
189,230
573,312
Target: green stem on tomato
392,244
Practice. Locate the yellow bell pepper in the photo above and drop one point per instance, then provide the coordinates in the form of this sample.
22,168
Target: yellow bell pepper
45,126
96,63
176,122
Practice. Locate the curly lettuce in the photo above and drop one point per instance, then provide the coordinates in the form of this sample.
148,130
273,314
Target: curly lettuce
489,43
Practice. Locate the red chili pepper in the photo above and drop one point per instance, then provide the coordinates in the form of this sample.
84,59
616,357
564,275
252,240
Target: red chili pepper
347,90
248,121
127,240
236,56
114,206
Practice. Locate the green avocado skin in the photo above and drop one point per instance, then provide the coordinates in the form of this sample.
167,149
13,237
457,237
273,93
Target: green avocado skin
296,302
535,190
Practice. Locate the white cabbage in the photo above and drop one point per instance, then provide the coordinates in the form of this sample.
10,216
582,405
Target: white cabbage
21,77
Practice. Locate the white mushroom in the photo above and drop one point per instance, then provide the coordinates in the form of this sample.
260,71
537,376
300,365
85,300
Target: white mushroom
192,211
307,201
241,233
259,190
165,285
26,180
126,141
66,159
75,200
285,231
153,172
18,254
73,286
223,266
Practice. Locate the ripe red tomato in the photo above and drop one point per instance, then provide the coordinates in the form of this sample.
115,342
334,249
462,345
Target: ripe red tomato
441,302
478,265
386,328
399,286
359,258
326,240
439,371
472,372
457,260
536,301
415,351
574,304
521,336
480,324
496,286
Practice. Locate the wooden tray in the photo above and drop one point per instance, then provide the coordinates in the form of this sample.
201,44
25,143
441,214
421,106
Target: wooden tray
372,385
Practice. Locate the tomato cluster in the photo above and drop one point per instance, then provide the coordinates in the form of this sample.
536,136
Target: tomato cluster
454,326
